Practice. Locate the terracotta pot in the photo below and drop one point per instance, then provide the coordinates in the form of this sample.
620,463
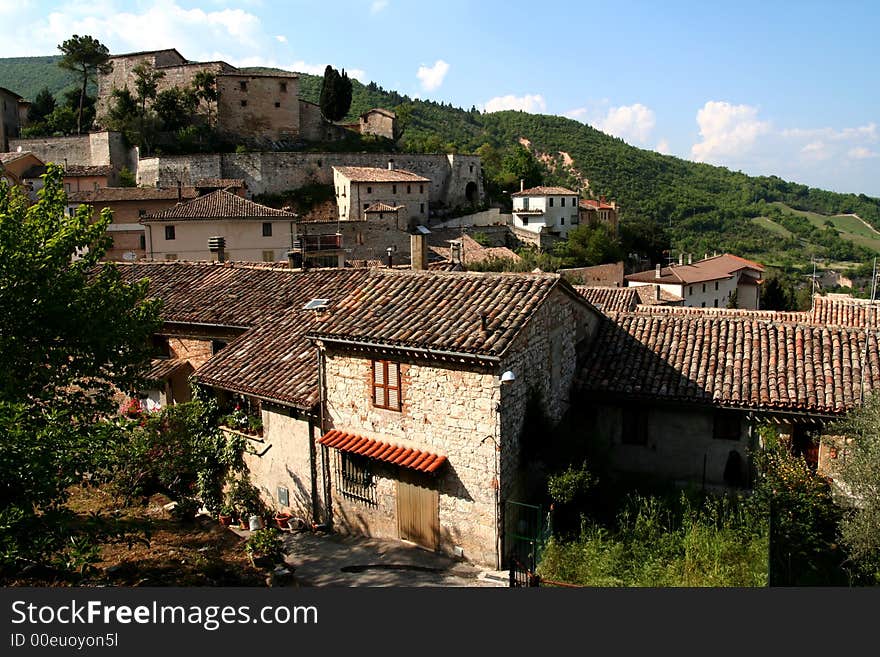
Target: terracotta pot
225,520
281,520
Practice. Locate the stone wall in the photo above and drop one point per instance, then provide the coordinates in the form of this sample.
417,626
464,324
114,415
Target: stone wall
195,351
94,149
445,411
490,217
281,458
544,360
378,123
364,240
275,172
258,108
679,443
610,275
9,120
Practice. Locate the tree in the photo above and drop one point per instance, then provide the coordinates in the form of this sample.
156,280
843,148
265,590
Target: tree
42,106
175,107
733,301
205,87
776,295
859,472
73,334
336,94
146,84
590,244
88,57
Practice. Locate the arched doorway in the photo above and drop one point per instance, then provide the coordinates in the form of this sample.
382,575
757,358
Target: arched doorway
471,193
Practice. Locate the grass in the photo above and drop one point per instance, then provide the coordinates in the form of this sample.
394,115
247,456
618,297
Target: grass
772,226
849,227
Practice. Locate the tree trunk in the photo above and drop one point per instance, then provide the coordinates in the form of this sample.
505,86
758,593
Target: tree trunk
82,96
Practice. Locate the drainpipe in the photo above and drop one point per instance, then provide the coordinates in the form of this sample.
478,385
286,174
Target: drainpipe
325,452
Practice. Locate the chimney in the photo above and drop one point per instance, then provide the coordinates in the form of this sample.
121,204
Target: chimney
681,258
657,293
217,244
390,252
690,258
522,185
657,271
179,192
418,249
391,165
295,259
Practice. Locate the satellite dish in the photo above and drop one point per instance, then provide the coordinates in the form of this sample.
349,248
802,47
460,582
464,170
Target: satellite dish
129,256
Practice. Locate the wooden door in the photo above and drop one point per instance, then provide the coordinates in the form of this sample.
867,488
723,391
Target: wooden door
418,511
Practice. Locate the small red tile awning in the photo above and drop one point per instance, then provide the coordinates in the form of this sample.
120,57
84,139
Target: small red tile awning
405,457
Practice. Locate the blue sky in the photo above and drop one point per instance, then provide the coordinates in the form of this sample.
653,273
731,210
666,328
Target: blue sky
784,88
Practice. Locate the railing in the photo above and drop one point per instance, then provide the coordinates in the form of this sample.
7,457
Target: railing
318,242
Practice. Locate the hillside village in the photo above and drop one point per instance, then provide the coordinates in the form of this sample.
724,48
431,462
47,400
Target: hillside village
387,354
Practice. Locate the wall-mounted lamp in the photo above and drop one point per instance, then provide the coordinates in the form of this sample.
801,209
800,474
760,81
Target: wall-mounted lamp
508,377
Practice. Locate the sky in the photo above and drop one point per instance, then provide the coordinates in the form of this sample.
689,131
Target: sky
768,88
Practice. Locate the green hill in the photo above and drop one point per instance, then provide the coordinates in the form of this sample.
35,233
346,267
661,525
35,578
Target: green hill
702,208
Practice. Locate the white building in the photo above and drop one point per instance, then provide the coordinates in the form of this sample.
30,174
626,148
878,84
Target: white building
552,210
707,283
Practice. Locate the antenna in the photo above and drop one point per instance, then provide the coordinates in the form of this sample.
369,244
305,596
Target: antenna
871,308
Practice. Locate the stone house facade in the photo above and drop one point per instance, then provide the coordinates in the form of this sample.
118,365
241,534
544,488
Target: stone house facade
379,122
360,189
10,117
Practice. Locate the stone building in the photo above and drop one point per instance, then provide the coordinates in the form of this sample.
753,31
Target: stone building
591,211
128,205
414,435
363,193
252,232
13,115
710,282
379,122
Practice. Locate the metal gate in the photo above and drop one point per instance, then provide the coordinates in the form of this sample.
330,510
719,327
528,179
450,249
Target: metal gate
525,533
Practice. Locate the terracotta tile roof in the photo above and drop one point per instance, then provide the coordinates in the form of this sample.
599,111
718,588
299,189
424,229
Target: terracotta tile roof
217,205
742,313
405,457
709,269
10,92
6,158
545,191
76,170
648,296
383,207
380,110
162,368
591,204
113,194
374,174
439,244
438,311
610,299
737,362
844,310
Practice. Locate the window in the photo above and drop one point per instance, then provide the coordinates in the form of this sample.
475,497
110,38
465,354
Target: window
421,189
561,221
393,189
369,190
268,256
690,290
96,186
726,426
562,202
471,168
142,213
67,187
366,205
244,103
217,345
169,232
277,104
704,287
142,241
386,385
409,189
551,201
283,87
634,426
354,478
267,229
716,303
525,221
160,347
703,305
242,85
525,203
421,208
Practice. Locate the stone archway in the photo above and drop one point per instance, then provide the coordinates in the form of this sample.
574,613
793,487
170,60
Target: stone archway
472,194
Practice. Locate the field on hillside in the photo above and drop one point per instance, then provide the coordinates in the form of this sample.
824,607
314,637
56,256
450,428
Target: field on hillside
850,227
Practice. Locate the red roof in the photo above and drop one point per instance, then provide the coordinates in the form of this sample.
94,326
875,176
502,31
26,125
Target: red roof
405,457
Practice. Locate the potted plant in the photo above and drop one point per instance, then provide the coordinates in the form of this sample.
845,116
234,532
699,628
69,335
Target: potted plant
227,512
264,547
255,425
282,519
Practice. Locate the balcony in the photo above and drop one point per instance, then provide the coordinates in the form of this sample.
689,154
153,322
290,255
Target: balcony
310,243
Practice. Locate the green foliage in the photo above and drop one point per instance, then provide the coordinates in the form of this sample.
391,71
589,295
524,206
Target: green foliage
127,178
265,546
714,541
42,106
175,107
86,56
859,472
777,294
571,485
589,244
302,199
72,333
336,94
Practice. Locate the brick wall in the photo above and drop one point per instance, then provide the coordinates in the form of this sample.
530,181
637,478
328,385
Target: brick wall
195,351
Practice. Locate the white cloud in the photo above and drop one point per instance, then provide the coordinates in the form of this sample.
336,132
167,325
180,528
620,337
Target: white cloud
727,131
579,113
662,146
629,122
861,153
432,77
533,103
378,5
280,38
815,150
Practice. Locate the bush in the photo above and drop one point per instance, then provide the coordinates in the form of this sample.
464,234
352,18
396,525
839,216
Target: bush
265,546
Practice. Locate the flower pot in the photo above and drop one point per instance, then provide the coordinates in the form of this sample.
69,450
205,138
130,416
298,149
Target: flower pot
255,522
225,520
282,520
243,522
